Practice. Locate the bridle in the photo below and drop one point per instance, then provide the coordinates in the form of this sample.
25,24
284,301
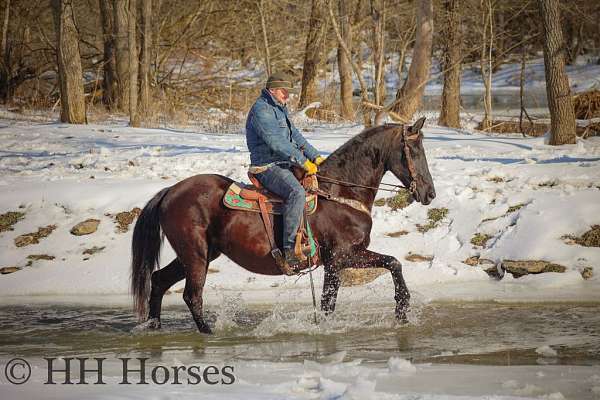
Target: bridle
406,136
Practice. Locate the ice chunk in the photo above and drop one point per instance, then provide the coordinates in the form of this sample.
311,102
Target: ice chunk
546,351
400,365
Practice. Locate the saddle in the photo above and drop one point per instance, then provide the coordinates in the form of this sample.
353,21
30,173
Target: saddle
256,198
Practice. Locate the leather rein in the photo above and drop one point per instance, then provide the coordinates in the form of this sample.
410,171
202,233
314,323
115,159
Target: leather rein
406,136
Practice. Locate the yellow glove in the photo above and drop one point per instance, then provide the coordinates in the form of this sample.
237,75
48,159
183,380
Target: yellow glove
319,160
310,167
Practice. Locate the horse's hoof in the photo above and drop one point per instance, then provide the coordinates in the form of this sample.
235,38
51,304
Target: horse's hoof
204,328
150,324
401,316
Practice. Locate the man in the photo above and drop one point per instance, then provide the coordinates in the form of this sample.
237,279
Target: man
275,147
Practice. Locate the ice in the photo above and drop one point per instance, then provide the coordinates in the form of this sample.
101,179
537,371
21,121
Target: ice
546,351
398,365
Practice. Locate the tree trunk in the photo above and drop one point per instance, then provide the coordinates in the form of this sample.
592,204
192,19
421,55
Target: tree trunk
120,25
70,76
266,47
485,60
364,94
344,67
134,119
312,55
5,57
409,97
145,57
562,116
109,82
450,111
378,19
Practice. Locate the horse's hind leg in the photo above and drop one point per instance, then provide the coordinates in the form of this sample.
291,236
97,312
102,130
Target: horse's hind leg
194,254
195,274
162,280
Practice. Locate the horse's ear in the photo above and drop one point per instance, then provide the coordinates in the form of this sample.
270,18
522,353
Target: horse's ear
418,125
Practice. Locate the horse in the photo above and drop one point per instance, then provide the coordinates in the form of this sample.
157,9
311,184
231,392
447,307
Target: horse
200,228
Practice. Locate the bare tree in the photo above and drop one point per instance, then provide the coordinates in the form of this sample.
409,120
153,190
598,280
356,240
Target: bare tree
70,76
134,115
344,67
485,60
145,56
312,54
378,34
562,116
4,56
120,25
260,5
409,97
109,81
364,92
450,110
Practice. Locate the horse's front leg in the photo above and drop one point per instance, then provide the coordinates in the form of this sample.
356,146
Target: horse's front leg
364,258
331,285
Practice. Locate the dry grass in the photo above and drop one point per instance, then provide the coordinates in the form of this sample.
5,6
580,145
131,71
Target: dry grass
435,216
480,239
587,104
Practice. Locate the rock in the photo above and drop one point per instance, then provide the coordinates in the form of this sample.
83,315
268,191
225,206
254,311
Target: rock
412,257
590,238
93,250
360,276
494,272
85,227
397,234
125,218
520,268
36,257
8,270
34,237
7,220
587,273
25,240
472,261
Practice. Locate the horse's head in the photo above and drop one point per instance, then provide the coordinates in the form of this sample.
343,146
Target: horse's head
409,164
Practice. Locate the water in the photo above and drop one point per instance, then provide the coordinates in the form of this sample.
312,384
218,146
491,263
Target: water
472,333
503,103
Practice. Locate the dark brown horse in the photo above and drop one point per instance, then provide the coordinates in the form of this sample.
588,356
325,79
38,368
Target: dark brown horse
200,228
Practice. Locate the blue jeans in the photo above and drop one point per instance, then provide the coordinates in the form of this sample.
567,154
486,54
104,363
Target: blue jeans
281,181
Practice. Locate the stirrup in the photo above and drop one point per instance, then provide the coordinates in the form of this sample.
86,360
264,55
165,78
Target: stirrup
281,263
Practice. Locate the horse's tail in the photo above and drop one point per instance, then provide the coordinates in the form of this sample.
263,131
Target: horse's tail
145,252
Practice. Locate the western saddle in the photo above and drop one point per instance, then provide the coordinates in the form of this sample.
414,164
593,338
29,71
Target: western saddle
256,198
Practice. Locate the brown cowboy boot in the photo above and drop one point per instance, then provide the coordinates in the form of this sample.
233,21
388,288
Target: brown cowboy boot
291,258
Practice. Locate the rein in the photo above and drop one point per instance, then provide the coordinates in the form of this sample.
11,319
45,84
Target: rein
396,188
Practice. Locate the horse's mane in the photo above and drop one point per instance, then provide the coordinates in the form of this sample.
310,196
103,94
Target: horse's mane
373,143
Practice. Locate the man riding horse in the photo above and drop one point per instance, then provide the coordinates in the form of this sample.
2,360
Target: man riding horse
276,146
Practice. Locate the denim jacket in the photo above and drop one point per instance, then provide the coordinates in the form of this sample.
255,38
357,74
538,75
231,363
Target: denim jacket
271,136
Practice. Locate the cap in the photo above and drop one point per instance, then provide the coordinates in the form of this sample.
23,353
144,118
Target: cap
279,80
